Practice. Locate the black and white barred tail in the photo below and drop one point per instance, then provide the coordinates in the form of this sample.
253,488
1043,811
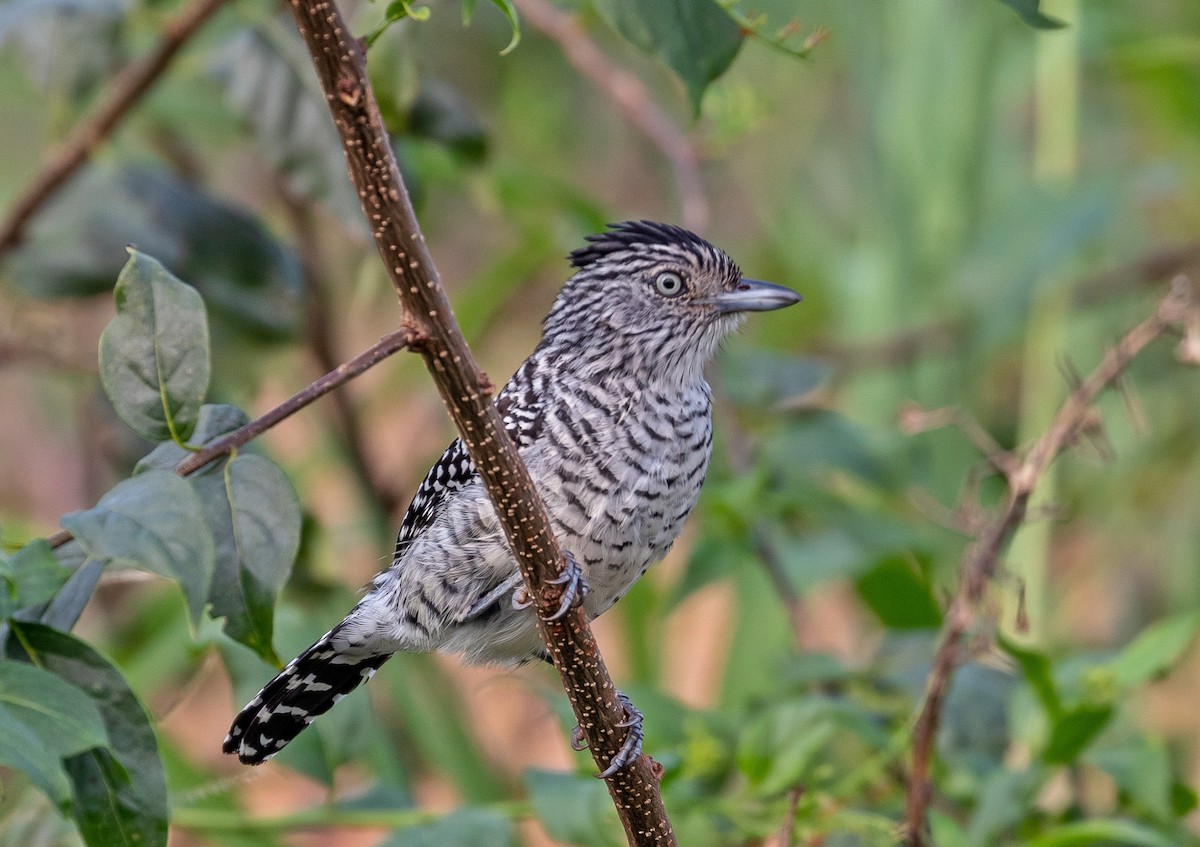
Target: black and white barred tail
305,689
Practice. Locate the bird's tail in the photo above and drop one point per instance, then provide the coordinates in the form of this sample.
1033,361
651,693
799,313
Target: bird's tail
306,688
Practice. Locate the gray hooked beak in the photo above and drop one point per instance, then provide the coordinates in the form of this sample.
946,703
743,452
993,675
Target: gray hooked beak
752,295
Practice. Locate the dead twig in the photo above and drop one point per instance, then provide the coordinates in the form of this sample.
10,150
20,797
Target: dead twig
982,558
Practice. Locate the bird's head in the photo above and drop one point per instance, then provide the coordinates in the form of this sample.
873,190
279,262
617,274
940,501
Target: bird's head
657,296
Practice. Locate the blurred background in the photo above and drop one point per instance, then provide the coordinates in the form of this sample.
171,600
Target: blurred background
974,206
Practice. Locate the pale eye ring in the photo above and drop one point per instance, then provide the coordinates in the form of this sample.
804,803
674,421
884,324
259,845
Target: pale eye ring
669,284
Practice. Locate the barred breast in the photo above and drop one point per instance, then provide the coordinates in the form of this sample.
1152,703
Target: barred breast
620,466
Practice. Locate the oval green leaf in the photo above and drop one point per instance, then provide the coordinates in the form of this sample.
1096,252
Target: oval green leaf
154,356
120,793
63,718
152,522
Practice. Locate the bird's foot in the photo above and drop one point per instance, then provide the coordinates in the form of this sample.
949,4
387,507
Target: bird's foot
631,747
574,590
574,587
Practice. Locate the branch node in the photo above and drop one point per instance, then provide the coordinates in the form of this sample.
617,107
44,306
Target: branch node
349,92
416,337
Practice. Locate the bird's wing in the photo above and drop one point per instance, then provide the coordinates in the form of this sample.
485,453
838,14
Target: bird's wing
521,412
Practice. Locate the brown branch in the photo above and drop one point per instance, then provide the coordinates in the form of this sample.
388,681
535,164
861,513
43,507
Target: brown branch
340,63
981,560
340,375
632,98
124,91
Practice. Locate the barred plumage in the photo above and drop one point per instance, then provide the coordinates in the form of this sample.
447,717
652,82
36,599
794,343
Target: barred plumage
612,415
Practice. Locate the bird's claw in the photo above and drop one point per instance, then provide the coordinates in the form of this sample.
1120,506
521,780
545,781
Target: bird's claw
631,747
574,587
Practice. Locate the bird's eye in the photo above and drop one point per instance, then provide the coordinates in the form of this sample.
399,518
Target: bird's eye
669,284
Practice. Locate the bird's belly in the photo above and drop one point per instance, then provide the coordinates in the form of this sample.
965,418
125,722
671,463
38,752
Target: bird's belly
616,537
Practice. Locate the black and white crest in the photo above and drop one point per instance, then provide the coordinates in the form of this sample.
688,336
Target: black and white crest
629,234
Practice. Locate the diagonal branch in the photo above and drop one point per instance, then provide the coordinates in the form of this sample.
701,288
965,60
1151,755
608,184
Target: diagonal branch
125,91
340,62
343,373
981,560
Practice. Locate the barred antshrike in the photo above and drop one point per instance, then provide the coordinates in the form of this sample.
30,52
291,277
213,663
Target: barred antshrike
614,419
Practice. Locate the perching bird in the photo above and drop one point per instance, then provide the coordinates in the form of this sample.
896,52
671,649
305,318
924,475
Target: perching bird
612,415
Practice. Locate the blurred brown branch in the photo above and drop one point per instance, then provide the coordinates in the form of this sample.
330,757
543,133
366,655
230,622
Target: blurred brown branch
343,373
123,93
1075,419
633,99
340,63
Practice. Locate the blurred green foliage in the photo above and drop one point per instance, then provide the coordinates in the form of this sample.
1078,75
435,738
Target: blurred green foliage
951,185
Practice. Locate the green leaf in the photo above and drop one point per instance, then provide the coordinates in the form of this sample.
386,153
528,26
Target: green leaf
120,793
59,714
509,11
973,732
573,809
254,516
254,558
154,361
152,522
1004,800
1035,667
1141,768
76,247
214,421
1073,730
712,559
1102,833
782,747
899,595
1155,650
22,750
1031,13
695,38
462,828
33,575
441,113
64,610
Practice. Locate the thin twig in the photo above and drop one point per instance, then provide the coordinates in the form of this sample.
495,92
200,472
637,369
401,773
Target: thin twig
632,98
340,62
981,560
343,373
125,90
